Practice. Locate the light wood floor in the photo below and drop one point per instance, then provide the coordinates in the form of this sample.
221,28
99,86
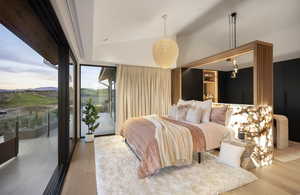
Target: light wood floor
277,179
81,176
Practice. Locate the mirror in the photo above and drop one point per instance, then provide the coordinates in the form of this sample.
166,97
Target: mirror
227,81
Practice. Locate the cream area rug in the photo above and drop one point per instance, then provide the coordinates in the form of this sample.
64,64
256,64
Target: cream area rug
116,172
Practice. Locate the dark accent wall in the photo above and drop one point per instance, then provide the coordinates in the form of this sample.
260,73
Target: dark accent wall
192,84
238,90
287,94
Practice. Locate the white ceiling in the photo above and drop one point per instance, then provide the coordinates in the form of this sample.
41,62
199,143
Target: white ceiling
118,31
274,21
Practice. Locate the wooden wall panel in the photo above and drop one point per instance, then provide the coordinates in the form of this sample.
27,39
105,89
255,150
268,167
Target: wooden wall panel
176,85
263,75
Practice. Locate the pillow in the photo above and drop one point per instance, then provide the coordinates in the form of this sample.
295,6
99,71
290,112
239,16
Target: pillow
228,117
172,112
194,115
218,115
205,108
181,113
230,154
185,103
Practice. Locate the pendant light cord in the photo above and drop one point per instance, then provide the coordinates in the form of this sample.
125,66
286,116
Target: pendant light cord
229,32
233,15
165,17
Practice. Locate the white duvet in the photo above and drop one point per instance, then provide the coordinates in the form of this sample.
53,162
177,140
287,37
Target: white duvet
214,133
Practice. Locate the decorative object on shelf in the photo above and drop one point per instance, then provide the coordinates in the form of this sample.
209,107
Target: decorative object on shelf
90,118
210,85
165,51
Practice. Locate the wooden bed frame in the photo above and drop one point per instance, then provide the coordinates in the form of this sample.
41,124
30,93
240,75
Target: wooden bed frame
137,156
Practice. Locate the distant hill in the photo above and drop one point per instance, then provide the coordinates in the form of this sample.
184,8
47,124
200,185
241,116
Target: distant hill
34,89
45,89
4,91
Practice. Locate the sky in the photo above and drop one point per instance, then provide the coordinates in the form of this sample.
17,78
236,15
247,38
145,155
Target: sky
89,77
20,66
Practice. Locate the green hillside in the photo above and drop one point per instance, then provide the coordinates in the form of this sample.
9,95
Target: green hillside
27,99
94,92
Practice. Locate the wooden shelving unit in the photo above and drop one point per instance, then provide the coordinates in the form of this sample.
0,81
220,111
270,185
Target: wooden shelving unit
210,85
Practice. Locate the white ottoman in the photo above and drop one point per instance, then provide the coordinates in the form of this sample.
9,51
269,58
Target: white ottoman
281,131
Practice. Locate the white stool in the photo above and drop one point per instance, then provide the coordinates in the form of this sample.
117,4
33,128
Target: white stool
281,131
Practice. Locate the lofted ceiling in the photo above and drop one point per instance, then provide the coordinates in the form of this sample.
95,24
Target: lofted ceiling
123,32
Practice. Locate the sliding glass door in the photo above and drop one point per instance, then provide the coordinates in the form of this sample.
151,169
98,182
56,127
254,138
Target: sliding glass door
72,103
98,86
28,117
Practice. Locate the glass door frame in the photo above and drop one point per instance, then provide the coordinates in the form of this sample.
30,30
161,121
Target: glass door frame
79,83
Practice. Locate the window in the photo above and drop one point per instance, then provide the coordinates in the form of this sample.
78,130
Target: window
72,103
28,115
98,84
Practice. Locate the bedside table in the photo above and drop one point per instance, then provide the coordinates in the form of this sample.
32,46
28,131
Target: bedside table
246,161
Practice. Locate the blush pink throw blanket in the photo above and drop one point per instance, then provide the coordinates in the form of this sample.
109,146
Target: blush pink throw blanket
140,135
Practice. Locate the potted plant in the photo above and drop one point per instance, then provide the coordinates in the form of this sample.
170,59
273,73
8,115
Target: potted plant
90,118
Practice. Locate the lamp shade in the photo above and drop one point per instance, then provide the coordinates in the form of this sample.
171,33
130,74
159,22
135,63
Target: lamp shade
165,52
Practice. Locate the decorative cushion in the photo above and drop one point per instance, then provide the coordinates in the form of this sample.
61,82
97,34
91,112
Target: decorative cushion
194,115
205,108
172,112
181,112
230,154
228,117
246,161
185,103
218,115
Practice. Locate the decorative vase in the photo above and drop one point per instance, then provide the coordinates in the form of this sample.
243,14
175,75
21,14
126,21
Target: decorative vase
89,138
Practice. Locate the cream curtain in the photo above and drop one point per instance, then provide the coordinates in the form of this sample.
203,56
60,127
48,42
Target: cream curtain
141,91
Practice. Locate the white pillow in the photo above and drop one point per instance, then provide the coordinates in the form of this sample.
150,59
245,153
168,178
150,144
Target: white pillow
194,115
185,103
181,113
230,154
205,108
172,112
228,117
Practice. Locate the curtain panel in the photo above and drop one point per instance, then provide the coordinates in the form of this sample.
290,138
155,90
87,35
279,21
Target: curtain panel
141,91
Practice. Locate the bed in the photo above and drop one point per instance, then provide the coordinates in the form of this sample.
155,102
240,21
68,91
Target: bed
140,136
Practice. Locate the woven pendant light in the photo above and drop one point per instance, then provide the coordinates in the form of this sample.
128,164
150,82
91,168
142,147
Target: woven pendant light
165,51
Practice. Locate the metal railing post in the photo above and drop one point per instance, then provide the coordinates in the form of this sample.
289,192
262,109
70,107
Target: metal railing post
48,118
